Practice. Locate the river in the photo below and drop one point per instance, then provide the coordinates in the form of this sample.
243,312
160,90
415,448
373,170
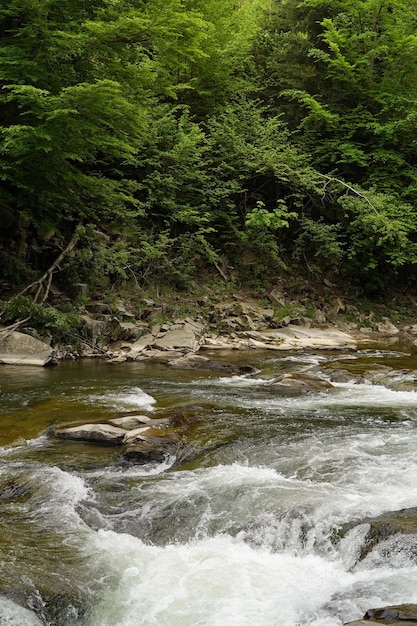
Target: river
250,530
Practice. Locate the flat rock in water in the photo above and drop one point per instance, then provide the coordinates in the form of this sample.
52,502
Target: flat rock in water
129,422
189,361
95,433
21,349
140,433
299,383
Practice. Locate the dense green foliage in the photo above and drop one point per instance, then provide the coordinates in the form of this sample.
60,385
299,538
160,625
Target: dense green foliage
176,135
344,74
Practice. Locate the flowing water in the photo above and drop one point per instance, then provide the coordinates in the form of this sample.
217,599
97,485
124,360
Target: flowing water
248,530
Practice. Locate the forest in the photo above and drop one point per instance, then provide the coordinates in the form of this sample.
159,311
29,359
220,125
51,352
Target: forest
151,142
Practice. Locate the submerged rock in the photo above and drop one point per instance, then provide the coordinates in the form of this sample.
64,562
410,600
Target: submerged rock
339,375
145,449
299,383
12,490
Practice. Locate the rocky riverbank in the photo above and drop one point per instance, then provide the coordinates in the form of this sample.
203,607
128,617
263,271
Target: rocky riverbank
117,334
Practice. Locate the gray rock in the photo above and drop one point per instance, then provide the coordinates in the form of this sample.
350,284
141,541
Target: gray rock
184,339
162,356
139,434
387,327
118,358
127,331
319,317
129,422
80,289
344,376
277,297
98,308
299,383
402,522
267,314
96,433
144,342
398,615
401,613
93,327
189,361
20,349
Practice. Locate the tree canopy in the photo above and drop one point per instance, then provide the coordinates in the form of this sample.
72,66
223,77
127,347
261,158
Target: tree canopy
169,134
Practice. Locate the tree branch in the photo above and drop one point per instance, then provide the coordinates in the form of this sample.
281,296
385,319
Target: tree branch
47,277
332,179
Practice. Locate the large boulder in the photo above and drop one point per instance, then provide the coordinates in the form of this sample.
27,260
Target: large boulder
20,349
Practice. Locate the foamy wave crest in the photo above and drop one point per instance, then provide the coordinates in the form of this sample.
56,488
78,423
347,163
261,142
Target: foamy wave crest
130,397
242,380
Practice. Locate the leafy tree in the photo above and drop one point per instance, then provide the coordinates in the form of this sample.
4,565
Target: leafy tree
343,73
80,81
225,71
260,180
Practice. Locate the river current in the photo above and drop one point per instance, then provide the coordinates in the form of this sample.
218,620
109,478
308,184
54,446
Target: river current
261,526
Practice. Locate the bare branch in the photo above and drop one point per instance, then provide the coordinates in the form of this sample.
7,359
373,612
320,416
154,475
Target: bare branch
5,332
47,277
333,179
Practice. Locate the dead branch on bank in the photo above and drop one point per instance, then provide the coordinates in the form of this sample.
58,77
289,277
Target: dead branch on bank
45,281
42,283
8,330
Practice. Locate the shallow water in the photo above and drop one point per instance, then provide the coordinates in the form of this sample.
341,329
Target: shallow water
244,531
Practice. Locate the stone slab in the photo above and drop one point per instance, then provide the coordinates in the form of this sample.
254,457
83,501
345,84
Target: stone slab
20,349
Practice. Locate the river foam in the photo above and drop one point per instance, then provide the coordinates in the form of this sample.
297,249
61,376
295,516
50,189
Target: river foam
213,582
222,581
